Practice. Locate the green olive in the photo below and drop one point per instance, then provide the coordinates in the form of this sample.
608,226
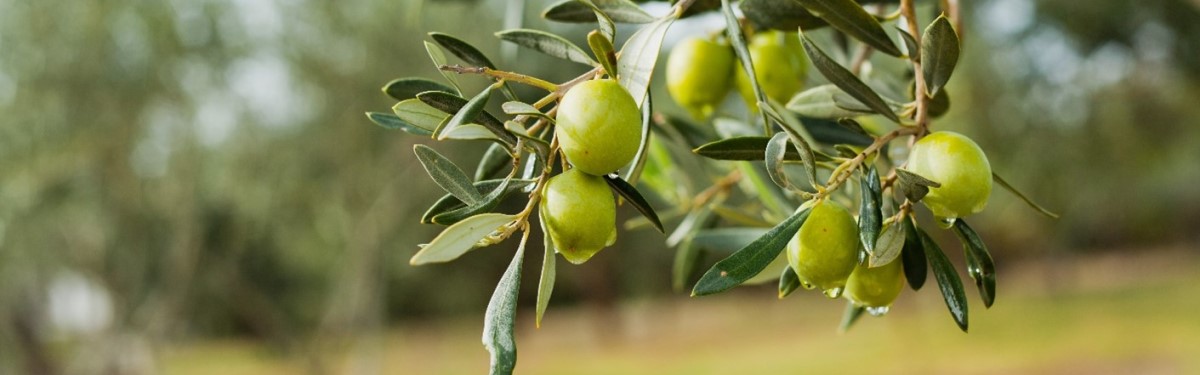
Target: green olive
825,250
875,287
598,126
960,166
580,214
698,74
779,63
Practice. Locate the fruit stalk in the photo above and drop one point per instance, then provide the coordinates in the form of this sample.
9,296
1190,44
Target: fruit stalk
847,168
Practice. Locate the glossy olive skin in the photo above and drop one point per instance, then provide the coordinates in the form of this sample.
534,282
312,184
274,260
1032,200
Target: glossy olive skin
598,126
960,166
875,287
825,250
699,74
779,63
580,214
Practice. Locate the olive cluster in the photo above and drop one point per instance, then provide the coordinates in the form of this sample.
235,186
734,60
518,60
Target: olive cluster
701,71
825,252
598,127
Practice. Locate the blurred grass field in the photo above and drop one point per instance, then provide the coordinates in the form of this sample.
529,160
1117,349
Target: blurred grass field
1114,314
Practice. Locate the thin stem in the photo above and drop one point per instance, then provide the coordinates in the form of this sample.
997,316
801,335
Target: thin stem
922,116
847,169
501,75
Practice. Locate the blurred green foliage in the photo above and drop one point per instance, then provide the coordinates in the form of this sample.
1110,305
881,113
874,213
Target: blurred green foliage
205,167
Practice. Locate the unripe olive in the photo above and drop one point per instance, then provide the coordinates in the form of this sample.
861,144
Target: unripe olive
698,74
779,63
598,126
580,214
960,166
875,287
825,250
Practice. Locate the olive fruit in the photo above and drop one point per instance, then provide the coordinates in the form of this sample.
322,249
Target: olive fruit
779,63
598,126
875,288
960,166
698,74
580,214
825,250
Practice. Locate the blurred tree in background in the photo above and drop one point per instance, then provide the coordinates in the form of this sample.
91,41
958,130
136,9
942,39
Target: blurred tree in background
183,169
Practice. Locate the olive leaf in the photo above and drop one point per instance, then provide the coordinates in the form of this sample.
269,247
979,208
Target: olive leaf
948,281
546,43
910,44
393,122
979,262
794,131
493,160
913,186
453,104
846,80
449,203
850,18
773,156
458,239
733,31
788,282
574,11
939,54
631,195
780,15
742,148
1019,194
408,88
750,260
439,59
468,112
639,159
818,102
487,203
853,125
546,281
639,55
607,30
420,115
447,175
829,132
939,104
853,312
462,50
519,108
889,246
915,265
501,316
870,214
603,49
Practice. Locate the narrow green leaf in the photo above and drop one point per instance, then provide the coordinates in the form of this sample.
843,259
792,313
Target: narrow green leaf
818,102
939,54
733,30
774,160
853,312
546,282
910,44
788,282
418,114
493,160
870,214
939,104
632,196
470,132
948,280
694,221
447,175
469,112
462,50
501,316
850,18
889,246
452,104
795,132
517,108
741,148
759,186
771,272
449,203
639,160
458,239
912,186
750,260
639,55
489,202
853,125
1019,194
408,88
604,51
829,132
780,15
546,43
607,29
574,11
439,59
979,262
846,80
916,267
393,122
